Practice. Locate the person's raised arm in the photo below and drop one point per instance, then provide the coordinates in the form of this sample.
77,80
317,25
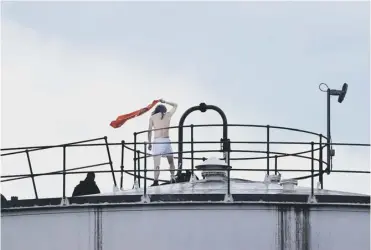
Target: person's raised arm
174,105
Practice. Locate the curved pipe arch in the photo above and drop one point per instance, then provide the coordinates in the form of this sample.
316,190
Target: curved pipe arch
202,107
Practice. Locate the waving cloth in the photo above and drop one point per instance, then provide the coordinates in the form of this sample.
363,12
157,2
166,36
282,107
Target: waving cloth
123,118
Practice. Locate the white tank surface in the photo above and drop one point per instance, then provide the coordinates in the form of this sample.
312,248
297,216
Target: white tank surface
217,212
194,215
193,222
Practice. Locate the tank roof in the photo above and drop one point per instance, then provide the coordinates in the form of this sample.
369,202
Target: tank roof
238,186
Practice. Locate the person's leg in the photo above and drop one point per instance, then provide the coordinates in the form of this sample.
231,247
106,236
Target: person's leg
156,151
170,159
156,164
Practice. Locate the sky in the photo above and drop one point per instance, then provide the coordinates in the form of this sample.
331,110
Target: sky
70,68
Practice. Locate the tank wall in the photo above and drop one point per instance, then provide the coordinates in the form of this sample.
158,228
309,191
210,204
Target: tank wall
190,229
337,229
57,230
187,227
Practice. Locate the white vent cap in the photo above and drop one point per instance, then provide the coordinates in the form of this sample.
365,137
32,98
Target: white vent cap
289,184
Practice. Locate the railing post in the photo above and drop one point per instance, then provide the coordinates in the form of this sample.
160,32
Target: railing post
138,157
122,164
192,150
275,164
320,161
268,151
312,169
110,162
145,169
64,171
135,157
32,176
229,180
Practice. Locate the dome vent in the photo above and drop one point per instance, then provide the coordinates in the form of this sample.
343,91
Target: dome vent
213,169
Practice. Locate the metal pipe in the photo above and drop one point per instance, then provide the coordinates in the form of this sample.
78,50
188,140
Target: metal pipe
110,162
32,176
50,173
275,164
328,131
135,156
145,169
122,164
64,172
202,107
321,162
138,153
268,152
192,153
229,173
32,149
312,170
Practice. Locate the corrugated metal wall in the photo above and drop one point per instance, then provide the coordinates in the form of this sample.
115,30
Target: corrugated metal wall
188,227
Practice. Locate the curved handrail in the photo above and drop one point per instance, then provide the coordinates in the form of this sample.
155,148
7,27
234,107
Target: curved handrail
238,125
136,172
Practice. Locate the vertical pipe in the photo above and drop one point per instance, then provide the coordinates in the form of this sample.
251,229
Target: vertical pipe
110,162
275,164
268,152
228,164
328,131
192,149
135,157
138,157
229,180
145,168
122,164
32,176
312,169
320,161
64,171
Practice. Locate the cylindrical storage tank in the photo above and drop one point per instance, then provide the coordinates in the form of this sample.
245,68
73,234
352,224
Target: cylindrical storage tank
192,215
217,212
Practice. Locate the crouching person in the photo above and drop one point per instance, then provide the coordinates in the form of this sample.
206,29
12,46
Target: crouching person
87,186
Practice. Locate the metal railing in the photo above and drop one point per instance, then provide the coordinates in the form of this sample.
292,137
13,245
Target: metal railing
140,172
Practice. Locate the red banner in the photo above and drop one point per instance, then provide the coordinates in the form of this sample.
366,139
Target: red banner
123,118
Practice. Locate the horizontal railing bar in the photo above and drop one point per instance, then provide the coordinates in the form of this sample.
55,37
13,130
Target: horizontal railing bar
350,171
32,149
264,169
50,173
279,154
36,148
216,169
239,125
148,178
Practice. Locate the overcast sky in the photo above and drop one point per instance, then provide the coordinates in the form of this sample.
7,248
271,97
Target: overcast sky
69,68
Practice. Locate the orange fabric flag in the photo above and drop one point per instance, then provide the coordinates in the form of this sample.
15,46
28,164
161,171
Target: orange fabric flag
123,118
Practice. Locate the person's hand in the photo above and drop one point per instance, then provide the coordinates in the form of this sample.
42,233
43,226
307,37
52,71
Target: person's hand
149,146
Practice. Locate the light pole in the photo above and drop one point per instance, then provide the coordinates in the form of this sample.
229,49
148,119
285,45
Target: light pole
332,92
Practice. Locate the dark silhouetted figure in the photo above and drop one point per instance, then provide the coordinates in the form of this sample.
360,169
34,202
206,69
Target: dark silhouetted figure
87,186
4,201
